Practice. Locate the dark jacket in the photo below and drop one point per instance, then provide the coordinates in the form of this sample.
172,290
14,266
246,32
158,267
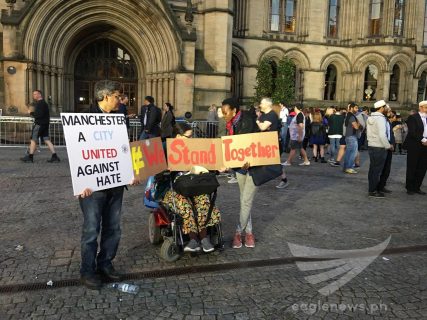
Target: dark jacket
336,122
41,113
415,132
166,125
246,124
124,110
154,116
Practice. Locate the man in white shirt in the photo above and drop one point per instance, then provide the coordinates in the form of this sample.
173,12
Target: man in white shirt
378,143
284,113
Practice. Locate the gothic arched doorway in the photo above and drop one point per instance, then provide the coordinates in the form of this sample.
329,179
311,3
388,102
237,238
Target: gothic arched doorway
104,59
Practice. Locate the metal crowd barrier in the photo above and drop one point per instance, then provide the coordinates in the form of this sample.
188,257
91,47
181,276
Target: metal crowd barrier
16,131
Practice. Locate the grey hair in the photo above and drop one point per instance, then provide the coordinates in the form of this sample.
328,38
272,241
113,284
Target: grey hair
267,101
105,88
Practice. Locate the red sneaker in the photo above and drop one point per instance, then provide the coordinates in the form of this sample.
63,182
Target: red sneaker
237,241
249,240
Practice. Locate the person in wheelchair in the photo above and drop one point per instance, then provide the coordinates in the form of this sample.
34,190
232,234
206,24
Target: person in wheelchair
197,230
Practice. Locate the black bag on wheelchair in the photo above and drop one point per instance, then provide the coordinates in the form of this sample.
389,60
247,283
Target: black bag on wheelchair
190,185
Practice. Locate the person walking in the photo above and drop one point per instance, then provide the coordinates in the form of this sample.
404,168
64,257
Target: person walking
40,129
241,122
297,133
150,118
378,132
101,211
416,146
168,121
123,108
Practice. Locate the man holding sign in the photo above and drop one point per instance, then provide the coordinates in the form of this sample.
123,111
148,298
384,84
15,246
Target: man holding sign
101,209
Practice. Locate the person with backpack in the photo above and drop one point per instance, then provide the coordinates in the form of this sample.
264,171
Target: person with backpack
318,137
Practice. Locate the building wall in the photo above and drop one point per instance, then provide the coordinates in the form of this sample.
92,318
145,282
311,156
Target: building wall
183,53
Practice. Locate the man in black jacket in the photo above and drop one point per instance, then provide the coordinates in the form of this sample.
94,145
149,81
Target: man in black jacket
416,144
150,118
40,128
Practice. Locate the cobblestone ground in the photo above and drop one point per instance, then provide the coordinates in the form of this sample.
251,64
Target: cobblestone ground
322,208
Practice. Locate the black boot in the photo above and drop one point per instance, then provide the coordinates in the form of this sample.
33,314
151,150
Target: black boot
54,158
27,158
322,160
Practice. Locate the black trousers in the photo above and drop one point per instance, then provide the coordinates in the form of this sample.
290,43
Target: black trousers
386,171
416,167
377,157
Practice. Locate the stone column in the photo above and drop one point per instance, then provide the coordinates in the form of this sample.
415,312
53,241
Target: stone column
386,85
54,89
60,83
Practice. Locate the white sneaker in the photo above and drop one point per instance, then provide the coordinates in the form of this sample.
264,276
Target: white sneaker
304,163
286,164
282,185
232,180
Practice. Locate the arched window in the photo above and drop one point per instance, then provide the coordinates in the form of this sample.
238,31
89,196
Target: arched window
399,17
333,18
273,73
375,17
283,16
422,87
236,77
370,83
330,83
104,59
394,84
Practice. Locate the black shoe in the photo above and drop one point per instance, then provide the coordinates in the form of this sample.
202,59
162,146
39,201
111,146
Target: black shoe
410,192
54,159
322,160
109,274
92,282
376,194
27,159
335,164
384,190
420,192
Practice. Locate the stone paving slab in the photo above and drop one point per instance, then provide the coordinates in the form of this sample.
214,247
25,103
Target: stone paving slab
322,208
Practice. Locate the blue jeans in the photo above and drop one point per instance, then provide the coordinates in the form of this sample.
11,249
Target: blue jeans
335,146
144,135
350,152
283,135
101,209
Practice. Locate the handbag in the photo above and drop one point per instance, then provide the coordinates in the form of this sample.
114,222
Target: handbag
190,185
263,174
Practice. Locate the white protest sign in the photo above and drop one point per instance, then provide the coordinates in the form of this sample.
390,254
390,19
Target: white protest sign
98,150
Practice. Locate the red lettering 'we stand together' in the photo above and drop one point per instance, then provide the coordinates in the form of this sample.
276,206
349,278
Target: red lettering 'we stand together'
254,150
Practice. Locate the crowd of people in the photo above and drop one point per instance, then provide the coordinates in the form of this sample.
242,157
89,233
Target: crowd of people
335,135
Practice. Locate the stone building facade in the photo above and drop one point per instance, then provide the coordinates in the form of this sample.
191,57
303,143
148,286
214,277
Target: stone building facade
194,53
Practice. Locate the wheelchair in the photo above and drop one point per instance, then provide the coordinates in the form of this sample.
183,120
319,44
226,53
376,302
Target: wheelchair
165,224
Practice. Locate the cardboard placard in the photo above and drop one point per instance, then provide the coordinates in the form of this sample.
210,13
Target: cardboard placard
148,158
98,150
228,152
255,148
184,153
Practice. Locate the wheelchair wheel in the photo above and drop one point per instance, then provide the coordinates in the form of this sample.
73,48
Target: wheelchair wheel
169,251
153,230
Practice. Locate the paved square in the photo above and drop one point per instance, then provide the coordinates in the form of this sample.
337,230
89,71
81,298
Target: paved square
322,208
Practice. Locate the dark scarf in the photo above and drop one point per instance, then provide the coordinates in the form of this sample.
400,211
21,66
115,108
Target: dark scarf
230,124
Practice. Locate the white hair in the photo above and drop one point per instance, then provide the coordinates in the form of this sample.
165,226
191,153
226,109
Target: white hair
267,101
